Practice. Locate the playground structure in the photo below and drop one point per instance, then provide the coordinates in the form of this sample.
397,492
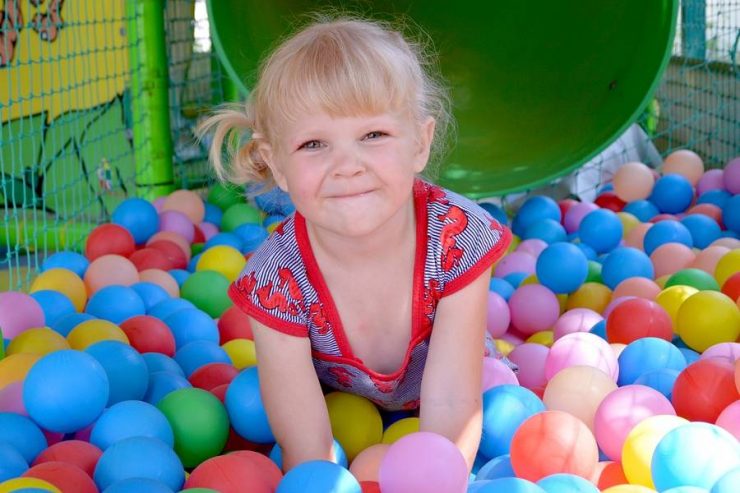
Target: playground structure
98,102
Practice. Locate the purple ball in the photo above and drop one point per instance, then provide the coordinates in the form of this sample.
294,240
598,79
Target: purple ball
575,215
712,179
177,222
731,176
515,262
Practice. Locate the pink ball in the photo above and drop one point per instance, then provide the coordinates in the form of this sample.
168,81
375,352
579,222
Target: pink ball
423,461
533,308
729,419
728,350
633,181
532,246
581,349
208,230
11,399
708,258
496,372
575,215
18,312
636,237
614,303
515,262
498,317
575,320
711,180
530,358
622,410
670,258
641,287
177,222
731,176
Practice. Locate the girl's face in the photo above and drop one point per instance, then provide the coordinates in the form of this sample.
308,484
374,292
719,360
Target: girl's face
350,175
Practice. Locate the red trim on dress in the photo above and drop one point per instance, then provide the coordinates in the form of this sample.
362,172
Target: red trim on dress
263,317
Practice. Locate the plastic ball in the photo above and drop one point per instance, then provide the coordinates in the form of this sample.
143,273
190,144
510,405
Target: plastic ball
574,215
731,176
29,485
198,353
685,163
591,295
400,429
664,232
581,349
639,287
670,258
207,290
177,222
65,391
704,230
731,214
109,239
126,370
728,482
233,473
671,299
731,287
704,389
562,267
109,270
547,230
578,390
729,419
224,259
78,453
65,282
498,467
139,217
672,193
245,407
150,293
727,350
318,476
162,383
645,355
708,258
643,210
633,181
636,318
242,353
64,476
505,408
54,304
148,334
366,466
187,202
535,208
252,236
701,331
601,230
239,214
609,201
234,324
72,261
717,198
91,331
37,341
224,196
530,358
130,419
727,266
211,375
639,446
12,463
515,262
533,308
150,258
162,279
22,435
566,483
135,485
498,315
172,237
14,367
189,325
355,422
115,304
623,263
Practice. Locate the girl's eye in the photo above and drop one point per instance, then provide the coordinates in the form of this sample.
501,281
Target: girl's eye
311,144
375,134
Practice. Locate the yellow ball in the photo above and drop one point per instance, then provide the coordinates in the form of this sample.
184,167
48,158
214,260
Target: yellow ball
628,488
592,295
64,281
628,222
89,332
662,280
13,368
400,429
639,446
39,341
544,337
241,352
671,299
24,484
224,259
504,347
355,422
530,279
727,266
562,301
707,318
515,240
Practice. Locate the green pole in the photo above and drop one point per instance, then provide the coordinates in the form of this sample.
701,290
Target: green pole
150,104
47,237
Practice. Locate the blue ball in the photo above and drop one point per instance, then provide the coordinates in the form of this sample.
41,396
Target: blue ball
160,362
275,201
689,355
501,286
139,217
730,234
601,229
12,463
599,329
64,324
192,325
703,229
54,304
228,239
271,219
139,457
647,354
661,380
505,407
198,353
731,214
566,483
150,293
535,208
193,262
318,476
668,231
126,369
476,486
115,304
165,308
589,252
547,230
23,435
73,261
276,455
66,391
246,409
718,197
495,211
728,482
562,267
672,194
511,485
137,485
162,383
500,467
251,235
131,419
515,278
180,275
625,262
213,214
644,210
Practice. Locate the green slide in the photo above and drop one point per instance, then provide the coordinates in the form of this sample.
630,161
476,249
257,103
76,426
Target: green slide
539,87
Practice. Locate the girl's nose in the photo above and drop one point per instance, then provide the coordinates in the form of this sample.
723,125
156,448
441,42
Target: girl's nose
347,162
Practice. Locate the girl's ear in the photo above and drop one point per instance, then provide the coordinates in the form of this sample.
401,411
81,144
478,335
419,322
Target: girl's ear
267,154
426,136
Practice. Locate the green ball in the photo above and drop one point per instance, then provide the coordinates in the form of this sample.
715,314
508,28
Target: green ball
208,291
594,272
199,422
196,248
239,214
696,278
225,195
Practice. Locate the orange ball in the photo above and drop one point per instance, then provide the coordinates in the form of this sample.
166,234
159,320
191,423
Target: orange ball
685,163
109,270
366,466
633,181
608,474
162,279
187,202
670,258
636,236
642,287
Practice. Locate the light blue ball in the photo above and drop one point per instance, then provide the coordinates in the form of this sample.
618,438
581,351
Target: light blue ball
115,304
505,407
647,354
694,454
138,485
161,362
23,435
191,325
661,380
198,353
54,304
228,239
162,383
589,252
126,369
644,210
535,208
686,489
246,409
672,193
500,467
73,261
511,485
251,235
276,455
180,275
165,308
515,278
12,463
194,262
728,482
731,214
562,267
318,476
502,287
64,324
139,217
213,214
547,230
150,293
477,485
566,483
131,419
601,229
689,355
668,231
139,457
703,229
625,262
717,196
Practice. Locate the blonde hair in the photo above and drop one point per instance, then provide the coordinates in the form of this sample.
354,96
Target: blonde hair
344,66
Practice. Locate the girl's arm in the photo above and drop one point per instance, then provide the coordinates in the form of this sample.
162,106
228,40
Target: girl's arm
451,386
292,396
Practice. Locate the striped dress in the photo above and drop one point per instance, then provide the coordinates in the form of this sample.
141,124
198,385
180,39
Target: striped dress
283,288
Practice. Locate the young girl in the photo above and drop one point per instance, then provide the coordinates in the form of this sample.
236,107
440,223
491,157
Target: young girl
377,284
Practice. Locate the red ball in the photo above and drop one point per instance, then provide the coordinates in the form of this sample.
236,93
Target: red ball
731,287
237,443
234,324
149,335
109,239
220,392
150,258
704,389
230,474
212,375
84,455
269,469
173,252
198,236
637,318
370,487
66,477
609,200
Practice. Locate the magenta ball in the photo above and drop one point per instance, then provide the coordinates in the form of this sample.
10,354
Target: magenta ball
515,262
530,358
177,222
423,461
712,179
574,216
496,372
575,320
19,312
727,350
208,229
731,176
622,410
532,246
498,317
533,308
581,349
